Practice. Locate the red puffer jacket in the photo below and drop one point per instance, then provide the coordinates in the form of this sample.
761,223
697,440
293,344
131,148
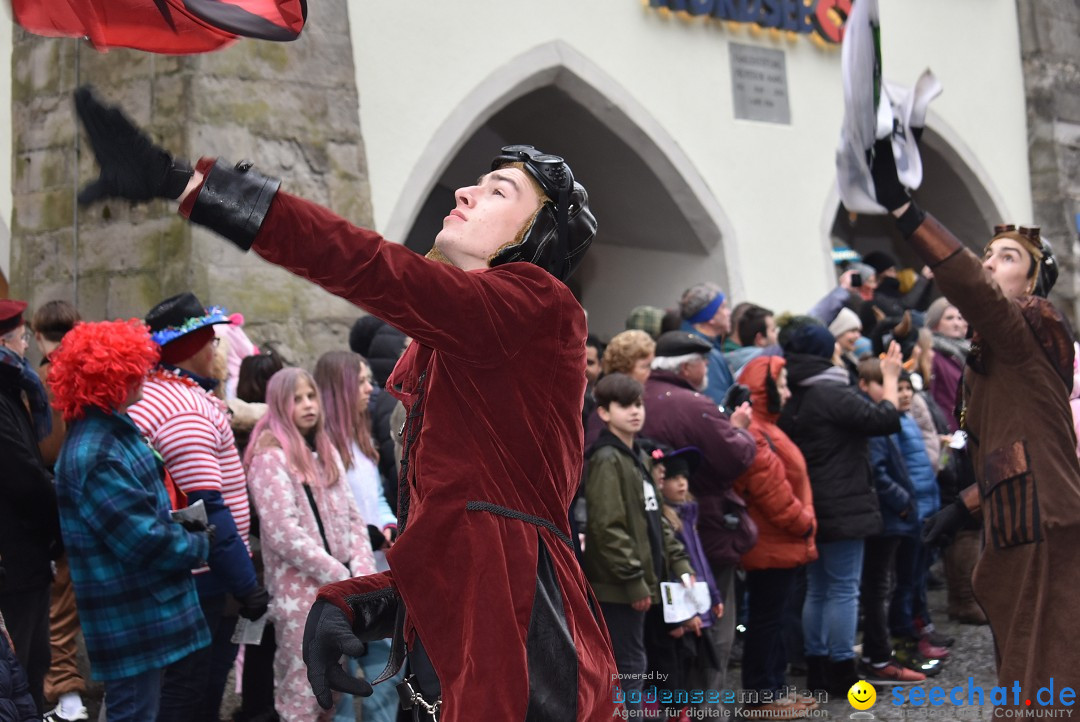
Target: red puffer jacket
776,487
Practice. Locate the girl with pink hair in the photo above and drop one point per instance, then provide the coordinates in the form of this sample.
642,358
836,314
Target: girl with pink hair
344,380
313,533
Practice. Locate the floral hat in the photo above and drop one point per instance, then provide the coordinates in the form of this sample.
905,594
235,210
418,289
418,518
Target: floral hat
180,315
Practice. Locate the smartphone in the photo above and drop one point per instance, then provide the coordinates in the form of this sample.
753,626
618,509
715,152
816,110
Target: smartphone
856,280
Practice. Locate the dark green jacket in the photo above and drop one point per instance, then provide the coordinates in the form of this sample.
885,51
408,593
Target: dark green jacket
619,557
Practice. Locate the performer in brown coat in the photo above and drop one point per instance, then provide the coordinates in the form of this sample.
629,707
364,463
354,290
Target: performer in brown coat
1021,439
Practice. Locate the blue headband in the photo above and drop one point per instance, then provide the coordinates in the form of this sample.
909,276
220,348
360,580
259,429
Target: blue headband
709,311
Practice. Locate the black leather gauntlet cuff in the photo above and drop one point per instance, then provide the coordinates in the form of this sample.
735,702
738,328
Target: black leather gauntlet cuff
910,219
374,613
233,201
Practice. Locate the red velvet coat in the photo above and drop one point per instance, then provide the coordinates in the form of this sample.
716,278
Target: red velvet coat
776,487
493,382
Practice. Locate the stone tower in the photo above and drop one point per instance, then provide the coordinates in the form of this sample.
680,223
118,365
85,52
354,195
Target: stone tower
292,108
1050,45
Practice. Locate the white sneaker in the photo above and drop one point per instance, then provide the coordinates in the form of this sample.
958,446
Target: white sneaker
55,716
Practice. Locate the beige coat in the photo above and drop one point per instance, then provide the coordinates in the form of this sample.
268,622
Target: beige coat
1028,575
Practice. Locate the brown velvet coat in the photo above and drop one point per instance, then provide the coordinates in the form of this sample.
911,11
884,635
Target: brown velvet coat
1024,451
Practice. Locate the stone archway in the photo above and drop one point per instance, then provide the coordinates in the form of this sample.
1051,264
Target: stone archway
660,228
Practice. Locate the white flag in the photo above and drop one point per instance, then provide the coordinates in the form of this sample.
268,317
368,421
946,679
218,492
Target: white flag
875,110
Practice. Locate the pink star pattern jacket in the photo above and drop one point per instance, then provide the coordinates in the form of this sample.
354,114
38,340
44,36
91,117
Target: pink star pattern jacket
297,562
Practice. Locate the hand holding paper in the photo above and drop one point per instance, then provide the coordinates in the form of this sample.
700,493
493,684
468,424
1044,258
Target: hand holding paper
682,603
878,159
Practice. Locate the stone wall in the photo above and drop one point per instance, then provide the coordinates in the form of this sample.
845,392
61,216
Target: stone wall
1050,44
292,108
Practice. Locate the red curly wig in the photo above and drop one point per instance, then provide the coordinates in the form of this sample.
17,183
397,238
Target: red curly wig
98,363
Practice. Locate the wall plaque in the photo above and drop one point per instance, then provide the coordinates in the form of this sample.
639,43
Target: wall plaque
759,84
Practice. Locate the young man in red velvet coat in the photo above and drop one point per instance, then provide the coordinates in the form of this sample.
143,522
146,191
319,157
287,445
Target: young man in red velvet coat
484,594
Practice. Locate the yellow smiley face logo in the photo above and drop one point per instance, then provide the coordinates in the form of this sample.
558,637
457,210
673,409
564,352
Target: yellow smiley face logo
862,695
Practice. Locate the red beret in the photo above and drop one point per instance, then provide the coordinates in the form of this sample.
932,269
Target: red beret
11,312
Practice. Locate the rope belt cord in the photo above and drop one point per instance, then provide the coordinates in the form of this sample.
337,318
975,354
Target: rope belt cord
520,516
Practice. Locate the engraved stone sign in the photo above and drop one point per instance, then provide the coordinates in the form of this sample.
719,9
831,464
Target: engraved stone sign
759,84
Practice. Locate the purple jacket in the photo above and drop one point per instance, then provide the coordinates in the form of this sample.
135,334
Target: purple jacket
688,535
948,370
677,415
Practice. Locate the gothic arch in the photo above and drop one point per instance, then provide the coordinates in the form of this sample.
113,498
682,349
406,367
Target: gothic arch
666,224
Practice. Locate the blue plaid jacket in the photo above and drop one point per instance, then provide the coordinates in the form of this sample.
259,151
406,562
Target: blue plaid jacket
130,563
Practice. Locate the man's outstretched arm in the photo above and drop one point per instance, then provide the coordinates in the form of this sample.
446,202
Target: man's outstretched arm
483,318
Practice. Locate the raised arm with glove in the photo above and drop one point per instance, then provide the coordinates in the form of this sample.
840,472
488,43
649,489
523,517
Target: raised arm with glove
498,315
132,166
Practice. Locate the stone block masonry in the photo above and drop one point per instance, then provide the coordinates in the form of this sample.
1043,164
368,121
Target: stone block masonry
1050,47
292,108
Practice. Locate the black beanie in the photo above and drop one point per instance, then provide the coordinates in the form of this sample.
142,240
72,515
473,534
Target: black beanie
879,260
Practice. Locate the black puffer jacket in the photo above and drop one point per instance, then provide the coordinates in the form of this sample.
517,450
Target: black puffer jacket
29,519
830,421
387,345
16,704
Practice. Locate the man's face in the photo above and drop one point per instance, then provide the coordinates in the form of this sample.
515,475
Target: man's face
202,362
487,216
1008,263
869,285
15,339
696,372
721,320
592,364
772,333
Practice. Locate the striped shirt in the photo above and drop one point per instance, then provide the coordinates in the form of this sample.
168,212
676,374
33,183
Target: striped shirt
189,427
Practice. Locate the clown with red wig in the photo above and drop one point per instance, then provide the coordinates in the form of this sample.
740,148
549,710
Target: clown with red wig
130,562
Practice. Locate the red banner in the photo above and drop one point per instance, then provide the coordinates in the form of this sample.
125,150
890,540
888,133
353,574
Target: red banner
174,27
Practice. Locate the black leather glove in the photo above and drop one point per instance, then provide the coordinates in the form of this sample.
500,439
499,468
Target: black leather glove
132,166
378,541
736,396
327,636
939,528
195,526
887,187
255,604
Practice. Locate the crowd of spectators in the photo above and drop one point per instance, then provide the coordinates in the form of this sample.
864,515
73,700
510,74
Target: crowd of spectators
821,440
184,485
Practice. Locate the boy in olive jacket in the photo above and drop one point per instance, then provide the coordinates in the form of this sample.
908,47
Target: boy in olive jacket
629,550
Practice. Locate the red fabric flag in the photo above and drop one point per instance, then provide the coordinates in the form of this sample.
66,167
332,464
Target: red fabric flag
175,27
